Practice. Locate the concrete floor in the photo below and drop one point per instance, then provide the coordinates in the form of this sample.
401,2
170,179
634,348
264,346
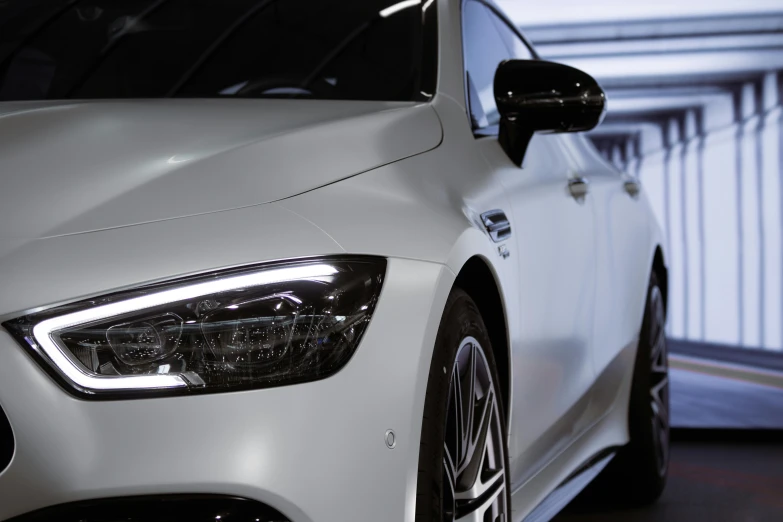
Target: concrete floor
699,400
730,474
710,481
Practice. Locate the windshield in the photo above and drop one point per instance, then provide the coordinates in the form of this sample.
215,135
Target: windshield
322,49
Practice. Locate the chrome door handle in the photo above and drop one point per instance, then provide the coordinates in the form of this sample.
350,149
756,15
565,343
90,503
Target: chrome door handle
579,187
633,187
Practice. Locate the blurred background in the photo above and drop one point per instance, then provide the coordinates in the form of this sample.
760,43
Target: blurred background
695,89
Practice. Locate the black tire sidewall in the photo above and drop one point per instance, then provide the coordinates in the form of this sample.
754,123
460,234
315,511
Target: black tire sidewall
642,448
632,478
461,318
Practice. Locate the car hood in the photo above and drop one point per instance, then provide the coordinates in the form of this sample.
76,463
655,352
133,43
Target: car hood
68,168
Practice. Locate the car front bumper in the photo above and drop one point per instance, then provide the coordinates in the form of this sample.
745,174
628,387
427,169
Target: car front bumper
316,452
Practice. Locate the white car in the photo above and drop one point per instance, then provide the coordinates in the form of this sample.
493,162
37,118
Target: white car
315,261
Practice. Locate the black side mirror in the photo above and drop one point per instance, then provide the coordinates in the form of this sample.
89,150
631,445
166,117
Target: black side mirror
537,96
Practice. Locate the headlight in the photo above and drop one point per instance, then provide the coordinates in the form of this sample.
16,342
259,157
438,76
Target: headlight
249,328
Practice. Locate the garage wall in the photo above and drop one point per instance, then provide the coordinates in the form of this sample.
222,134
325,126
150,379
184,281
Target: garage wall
717,193
695,92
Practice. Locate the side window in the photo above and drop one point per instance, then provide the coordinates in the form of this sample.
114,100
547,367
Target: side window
516,46
484,50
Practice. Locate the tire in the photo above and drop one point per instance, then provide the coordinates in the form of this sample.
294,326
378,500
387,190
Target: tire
637,475
463,459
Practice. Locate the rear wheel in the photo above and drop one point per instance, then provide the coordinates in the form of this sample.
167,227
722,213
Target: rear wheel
463,456
637,476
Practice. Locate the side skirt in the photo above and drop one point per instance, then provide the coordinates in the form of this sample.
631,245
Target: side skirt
571,487
554,485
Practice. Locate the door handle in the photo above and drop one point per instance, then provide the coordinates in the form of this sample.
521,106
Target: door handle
578,187
633,187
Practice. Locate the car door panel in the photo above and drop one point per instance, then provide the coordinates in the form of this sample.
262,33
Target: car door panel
622,248
552,367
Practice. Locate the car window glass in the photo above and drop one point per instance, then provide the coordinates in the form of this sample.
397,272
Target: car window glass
518,49
484,50
477,117
324,49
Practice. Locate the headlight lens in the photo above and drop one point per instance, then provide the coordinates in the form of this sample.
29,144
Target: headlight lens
248,328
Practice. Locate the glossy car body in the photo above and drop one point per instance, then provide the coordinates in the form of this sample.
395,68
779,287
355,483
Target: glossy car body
227,183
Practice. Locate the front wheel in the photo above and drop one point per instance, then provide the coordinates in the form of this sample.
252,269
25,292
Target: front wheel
463,459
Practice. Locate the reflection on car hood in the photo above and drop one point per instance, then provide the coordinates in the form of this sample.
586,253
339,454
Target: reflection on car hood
67,168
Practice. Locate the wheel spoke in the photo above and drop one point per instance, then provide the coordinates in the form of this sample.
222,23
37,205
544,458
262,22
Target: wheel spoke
660,388
459,411
660,407
660,362
661,438
477,451
448,466
449,485
494,499
469,406
462,376
493,479
659,381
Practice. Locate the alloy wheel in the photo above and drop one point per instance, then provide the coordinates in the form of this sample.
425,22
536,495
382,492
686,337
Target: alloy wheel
659,381
474,461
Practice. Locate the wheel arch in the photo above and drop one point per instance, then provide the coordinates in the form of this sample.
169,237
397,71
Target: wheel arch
479,281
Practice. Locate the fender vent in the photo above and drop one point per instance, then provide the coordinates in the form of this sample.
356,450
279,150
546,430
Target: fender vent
497,225
6,441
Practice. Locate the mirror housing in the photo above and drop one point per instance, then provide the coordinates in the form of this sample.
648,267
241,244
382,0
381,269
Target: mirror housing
539,96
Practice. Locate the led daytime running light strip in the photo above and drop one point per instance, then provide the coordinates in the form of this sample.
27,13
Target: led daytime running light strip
44,331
